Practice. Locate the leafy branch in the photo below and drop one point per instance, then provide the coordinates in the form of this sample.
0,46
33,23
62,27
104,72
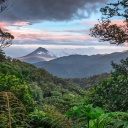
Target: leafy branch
5,39
12,111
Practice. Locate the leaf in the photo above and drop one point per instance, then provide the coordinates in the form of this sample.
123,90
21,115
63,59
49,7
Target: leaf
94,113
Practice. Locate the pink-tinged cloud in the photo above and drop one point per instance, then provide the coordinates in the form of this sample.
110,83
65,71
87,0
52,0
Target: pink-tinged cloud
118,22
126,44
27,34
20,23
92,23
4,25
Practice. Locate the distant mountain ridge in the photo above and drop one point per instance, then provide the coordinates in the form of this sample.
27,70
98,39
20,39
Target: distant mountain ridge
79,66
40,54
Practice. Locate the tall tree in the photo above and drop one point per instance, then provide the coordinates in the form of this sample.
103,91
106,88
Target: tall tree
105,30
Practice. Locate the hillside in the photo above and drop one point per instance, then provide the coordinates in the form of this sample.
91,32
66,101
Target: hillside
79,66
34,98
86,83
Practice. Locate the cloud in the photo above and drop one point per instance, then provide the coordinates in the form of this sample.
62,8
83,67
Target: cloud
32,35
92,23
63,50
80,31
27,34
22,23
118,22
4,25
56,10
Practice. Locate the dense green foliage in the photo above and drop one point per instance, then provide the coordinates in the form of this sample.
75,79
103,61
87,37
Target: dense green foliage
86,83
111,94
95,117
31,97
13,113
45,98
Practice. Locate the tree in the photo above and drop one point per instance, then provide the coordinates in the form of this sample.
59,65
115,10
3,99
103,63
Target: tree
2,56
105,30
5,37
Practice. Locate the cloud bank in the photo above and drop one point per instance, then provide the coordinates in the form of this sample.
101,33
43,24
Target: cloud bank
55,10
59,51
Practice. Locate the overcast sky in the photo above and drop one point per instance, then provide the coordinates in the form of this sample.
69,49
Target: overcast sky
61,26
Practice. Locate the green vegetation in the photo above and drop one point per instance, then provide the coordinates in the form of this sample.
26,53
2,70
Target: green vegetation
111,94
31,97
45,99
86,83
94,117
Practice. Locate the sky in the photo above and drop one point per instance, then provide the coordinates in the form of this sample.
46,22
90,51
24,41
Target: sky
61,26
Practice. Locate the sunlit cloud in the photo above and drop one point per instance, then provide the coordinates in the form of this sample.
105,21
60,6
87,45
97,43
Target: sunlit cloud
27,34
92,23
23,34
118,22
20,23
4,25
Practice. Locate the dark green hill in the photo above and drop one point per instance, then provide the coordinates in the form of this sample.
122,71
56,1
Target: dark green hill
80,66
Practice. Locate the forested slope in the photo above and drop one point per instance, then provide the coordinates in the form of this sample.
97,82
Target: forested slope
31,97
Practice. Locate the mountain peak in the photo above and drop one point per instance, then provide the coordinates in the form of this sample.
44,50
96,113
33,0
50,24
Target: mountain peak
40,49
40,54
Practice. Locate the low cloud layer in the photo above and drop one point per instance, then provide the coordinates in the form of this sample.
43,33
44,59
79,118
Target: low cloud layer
59,51
56,10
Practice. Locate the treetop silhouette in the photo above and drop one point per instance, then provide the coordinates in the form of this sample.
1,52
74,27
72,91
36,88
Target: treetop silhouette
105,30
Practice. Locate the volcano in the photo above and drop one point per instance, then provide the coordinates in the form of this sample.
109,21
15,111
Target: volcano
40,54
